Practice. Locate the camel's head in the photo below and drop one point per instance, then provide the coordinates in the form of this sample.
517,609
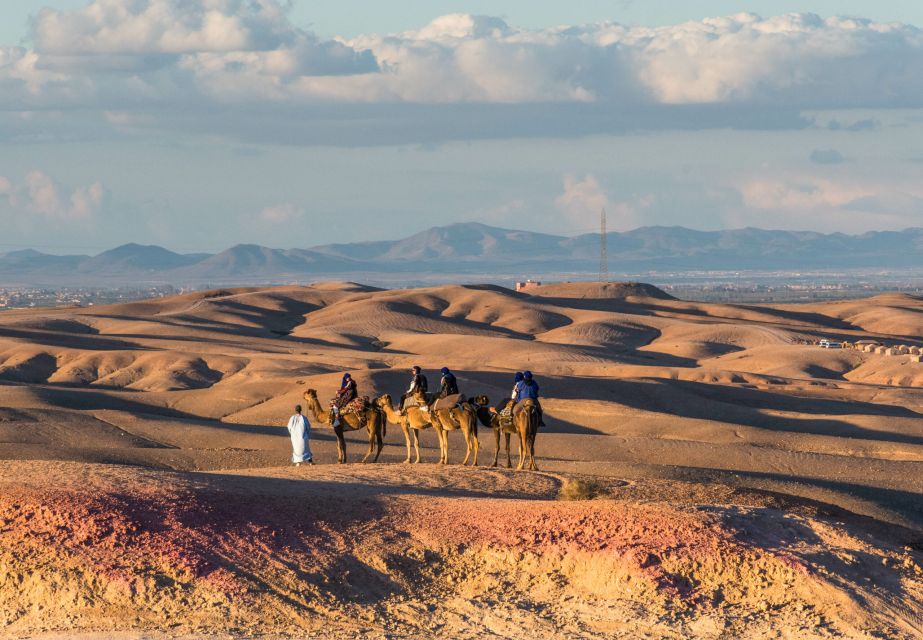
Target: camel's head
310,394
482,400
382,401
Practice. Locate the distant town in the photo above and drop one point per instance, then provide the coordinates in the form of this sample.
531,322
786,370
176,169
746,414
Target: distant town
29,297
714,289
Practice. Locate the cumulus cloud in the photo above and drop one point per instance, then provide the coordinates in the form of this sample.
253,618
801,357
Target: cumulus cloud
39,194
803,195
843,205
584,198
163,26
280,213
132,55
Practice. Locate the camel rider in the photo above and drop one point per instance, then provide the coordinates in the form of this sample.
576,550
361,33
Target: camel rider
516,380
418,383
527,389
346,394
448,391
506,408
448,384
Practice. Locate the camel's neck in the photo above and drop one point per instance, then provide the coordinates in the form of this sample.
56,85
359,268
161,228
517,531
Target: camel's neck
320,415
390,412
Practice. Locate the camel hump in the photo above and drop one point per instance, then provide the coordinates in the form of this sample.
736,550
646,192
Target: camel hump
525,405
449,402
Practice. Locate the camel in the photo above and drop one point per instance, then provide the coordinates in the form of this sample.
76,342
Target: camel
462,417
526,421
525,424
411,422
491,419
375,424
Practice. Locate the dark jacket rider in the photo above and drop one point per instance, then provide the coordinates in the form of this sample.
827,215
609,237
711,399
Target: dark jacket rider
448,385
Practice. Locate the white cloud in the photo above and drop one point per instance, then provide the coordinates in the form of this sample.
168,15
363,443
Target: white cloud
584,199
248,50
163,26
280,213
85,201
804,194
166,64
39,194
842,205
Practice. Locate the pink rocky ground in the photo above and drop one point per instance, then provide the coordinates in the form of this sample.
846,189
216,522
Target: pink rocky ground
118,549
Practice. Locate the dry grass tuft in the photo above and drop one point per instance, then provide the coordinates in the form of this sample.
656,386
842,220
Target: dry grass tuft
577,489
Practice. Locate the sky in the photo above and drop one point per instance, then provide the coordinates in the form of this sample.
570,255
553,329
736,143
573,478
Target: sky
200,124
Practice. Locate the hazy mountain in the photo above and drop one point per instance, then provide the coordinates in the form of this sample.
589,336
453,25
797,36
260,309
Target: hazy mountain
135,257
461,241
252,260
29,261
472,250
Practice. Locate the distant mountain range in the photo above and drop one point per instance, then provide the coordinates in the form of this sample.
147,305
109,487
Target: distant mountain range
473,250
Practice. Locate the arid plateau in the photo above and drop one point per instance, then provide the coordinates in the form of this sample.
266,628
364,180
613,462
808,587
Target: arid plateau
705,471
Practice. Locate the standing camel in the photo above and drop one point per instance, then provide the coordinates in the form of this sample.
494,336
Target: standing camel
461,416
526,421
491,419
375,424
410,423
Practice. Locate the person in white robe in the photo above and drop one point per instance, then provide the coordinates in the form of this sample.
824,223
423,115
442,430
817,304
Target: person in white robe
300,429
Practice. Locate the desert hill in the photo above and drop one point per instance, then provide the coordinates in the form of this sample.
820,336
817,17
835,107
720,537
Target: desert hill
475,251
732,463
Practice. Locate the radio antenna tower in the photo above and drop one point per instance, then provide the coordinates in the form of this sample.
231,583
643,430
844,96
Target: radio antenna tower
603,252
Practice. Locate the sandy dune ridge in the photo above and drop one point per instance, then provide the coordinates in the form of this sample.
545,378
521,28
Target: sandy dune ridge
746,484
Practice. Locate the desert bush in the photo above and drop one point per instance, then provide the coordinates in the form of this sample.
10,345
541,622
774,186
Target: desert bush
578,489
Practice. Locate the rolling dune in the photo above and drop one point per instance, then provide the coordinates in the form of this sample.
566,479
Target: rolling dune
735,482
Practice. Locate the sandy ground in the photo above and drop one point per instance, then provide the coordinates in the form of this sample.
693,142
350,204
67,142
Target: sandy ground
740,484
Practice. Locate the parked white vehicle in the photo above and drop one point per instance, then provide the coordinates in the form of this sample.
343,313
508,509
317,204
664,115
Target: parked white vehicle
831,344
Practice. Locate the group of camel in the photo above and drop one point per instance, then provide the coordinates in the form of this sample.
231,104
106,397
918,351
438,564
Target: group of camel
463,417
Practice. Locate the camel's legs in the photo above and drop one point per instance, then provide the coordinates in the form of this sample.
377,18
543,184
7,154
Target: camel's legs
523,448
467,447
509,460
379,441
370,429
416,444
497,451
406,429
341,445
368,454
476,444
444,445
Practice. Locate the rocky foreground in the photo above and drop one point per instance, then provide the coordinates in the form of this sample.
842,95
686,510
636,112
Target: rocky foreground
405,552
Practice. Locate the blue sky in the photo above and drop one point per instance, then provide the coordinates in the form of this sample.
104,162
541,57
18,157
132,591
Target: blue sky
161,121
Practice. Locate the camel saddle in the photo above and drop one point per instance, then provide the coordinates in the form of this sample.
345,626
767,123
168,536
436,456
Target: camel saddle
358,407
449,402
506,413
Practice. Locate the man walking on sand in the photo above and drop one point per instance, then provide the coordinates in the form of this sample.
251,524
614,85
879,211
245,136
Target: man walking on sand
299,429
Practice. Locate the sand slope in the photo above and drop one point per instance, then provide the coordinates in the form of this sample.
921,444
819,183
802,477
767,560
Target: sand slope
794,470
